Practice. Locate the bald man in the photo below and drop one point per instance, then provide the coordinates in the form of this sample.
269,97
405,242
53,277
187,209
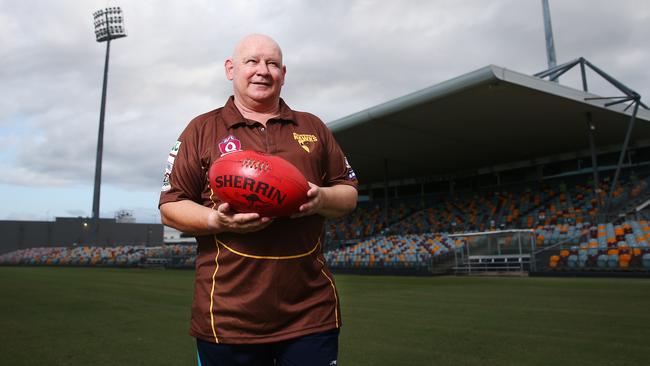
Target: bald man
263,294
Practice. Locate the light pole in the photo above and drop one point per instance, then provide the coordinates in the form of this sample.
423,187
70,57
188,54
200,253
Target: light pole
109,25
548,33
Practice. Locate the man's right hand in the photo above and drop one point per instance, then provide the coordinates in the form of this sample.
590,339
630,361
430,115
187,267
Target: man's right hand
226,220
194,219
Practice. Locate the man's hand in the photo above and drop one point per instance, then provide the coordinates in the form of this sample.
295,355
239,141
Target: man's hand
330,202
226,220
314,202
192,218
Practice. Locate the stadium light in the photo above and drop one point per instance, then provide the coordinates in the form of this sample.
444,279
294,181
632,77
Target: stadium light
109,25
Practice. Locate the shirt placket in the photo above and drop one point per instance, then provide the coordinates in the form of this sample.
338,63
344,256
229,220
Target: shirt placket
267,135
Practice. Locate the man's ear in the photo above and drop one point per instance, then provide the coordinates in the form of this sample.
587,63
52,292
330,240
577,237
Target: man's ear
229,67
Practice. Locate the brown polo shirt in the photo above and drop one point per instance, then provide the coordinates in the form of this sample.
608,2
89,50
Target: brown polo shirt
273,284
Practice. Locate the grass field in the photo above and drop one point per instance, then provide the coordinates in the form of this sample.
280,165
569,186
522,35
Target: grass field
95,316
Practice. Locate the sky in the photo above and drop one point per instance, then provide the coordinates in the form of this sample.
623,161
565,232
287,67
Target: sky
342,56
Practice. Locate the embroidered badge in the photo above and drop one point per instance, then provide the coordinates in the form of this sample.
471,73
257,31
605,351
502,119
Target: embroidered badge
305,140
166,186
351,174
229,144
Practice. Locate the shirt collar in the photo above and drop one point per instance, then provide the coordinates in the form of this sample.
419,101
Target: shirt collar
233,117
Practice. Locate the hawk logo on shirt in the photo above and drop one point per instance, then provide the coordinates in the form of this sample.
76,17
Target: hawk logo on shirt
305,140
229,144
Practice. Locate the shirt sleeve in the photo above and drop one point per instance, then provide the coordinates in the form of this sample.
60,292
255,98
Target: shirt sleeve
337,168
184,176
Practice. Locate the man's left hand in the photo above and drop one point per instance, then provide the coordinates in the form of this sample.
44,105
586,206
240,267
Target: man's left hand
330,202
315,201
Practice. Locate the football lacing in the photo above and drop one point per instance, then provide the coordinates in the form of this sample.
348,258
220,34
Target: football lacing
255,164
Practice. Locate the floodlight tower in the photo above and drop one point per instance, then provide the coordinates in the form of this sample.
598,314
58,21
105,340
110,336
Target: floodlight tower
109,25
548,33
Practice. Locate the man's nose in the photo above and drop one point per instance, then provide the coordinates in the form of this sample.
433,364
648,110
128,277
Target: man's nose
262,68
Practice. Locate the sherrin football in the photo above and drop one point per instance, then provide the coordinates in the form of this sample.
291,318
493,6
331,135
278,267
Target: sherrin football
251,181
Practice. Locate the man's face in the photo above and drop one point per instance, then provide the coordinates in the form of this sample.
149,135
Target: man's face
257,72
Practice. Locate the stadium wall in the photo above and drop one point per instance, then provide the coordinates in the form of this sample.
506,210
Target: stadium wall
71,231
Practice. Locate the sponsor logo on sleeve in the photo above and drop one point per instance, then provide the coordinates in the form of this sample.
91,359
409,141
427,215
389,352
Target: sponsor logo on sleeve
305,141
351,174
166,186
177,146
229,144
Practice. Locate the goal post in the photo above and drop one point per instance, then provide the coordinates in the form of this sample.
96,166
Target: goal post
496,251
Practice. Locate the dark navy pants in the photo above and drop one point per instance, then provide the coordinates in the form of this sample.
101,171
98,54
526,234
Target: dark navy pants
318,349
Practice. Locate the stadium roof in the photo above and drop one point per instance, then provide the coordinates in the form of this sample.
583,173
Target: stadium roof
487,120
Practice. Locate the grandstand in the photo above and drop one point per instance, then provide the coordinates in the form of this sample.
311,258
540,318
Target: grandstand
492,151
420,238
564,219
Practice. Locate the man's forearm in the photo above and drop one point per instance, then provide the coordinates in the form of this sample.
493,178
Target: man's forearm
188,217
338,201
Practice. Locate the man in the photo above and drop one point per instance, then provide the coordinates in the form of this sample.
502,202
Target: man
263,294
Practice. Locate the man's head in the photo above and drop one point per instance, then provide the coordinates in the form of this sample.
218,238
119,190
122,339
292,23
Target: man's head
257,72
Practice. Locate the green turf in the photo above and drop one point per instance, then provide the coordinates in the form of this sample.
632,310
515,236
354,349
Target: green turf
94,316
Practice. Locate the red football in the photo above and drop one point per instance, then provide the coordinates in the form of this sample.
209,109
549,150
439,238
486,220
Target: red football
251,181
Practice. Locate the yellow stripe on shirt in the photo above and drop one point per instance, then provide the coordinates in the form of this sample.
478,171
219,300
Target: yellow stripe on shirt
269,257
214,282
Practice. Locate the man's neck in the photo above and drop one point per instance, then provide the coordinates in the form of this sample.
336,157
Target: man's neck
259,113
